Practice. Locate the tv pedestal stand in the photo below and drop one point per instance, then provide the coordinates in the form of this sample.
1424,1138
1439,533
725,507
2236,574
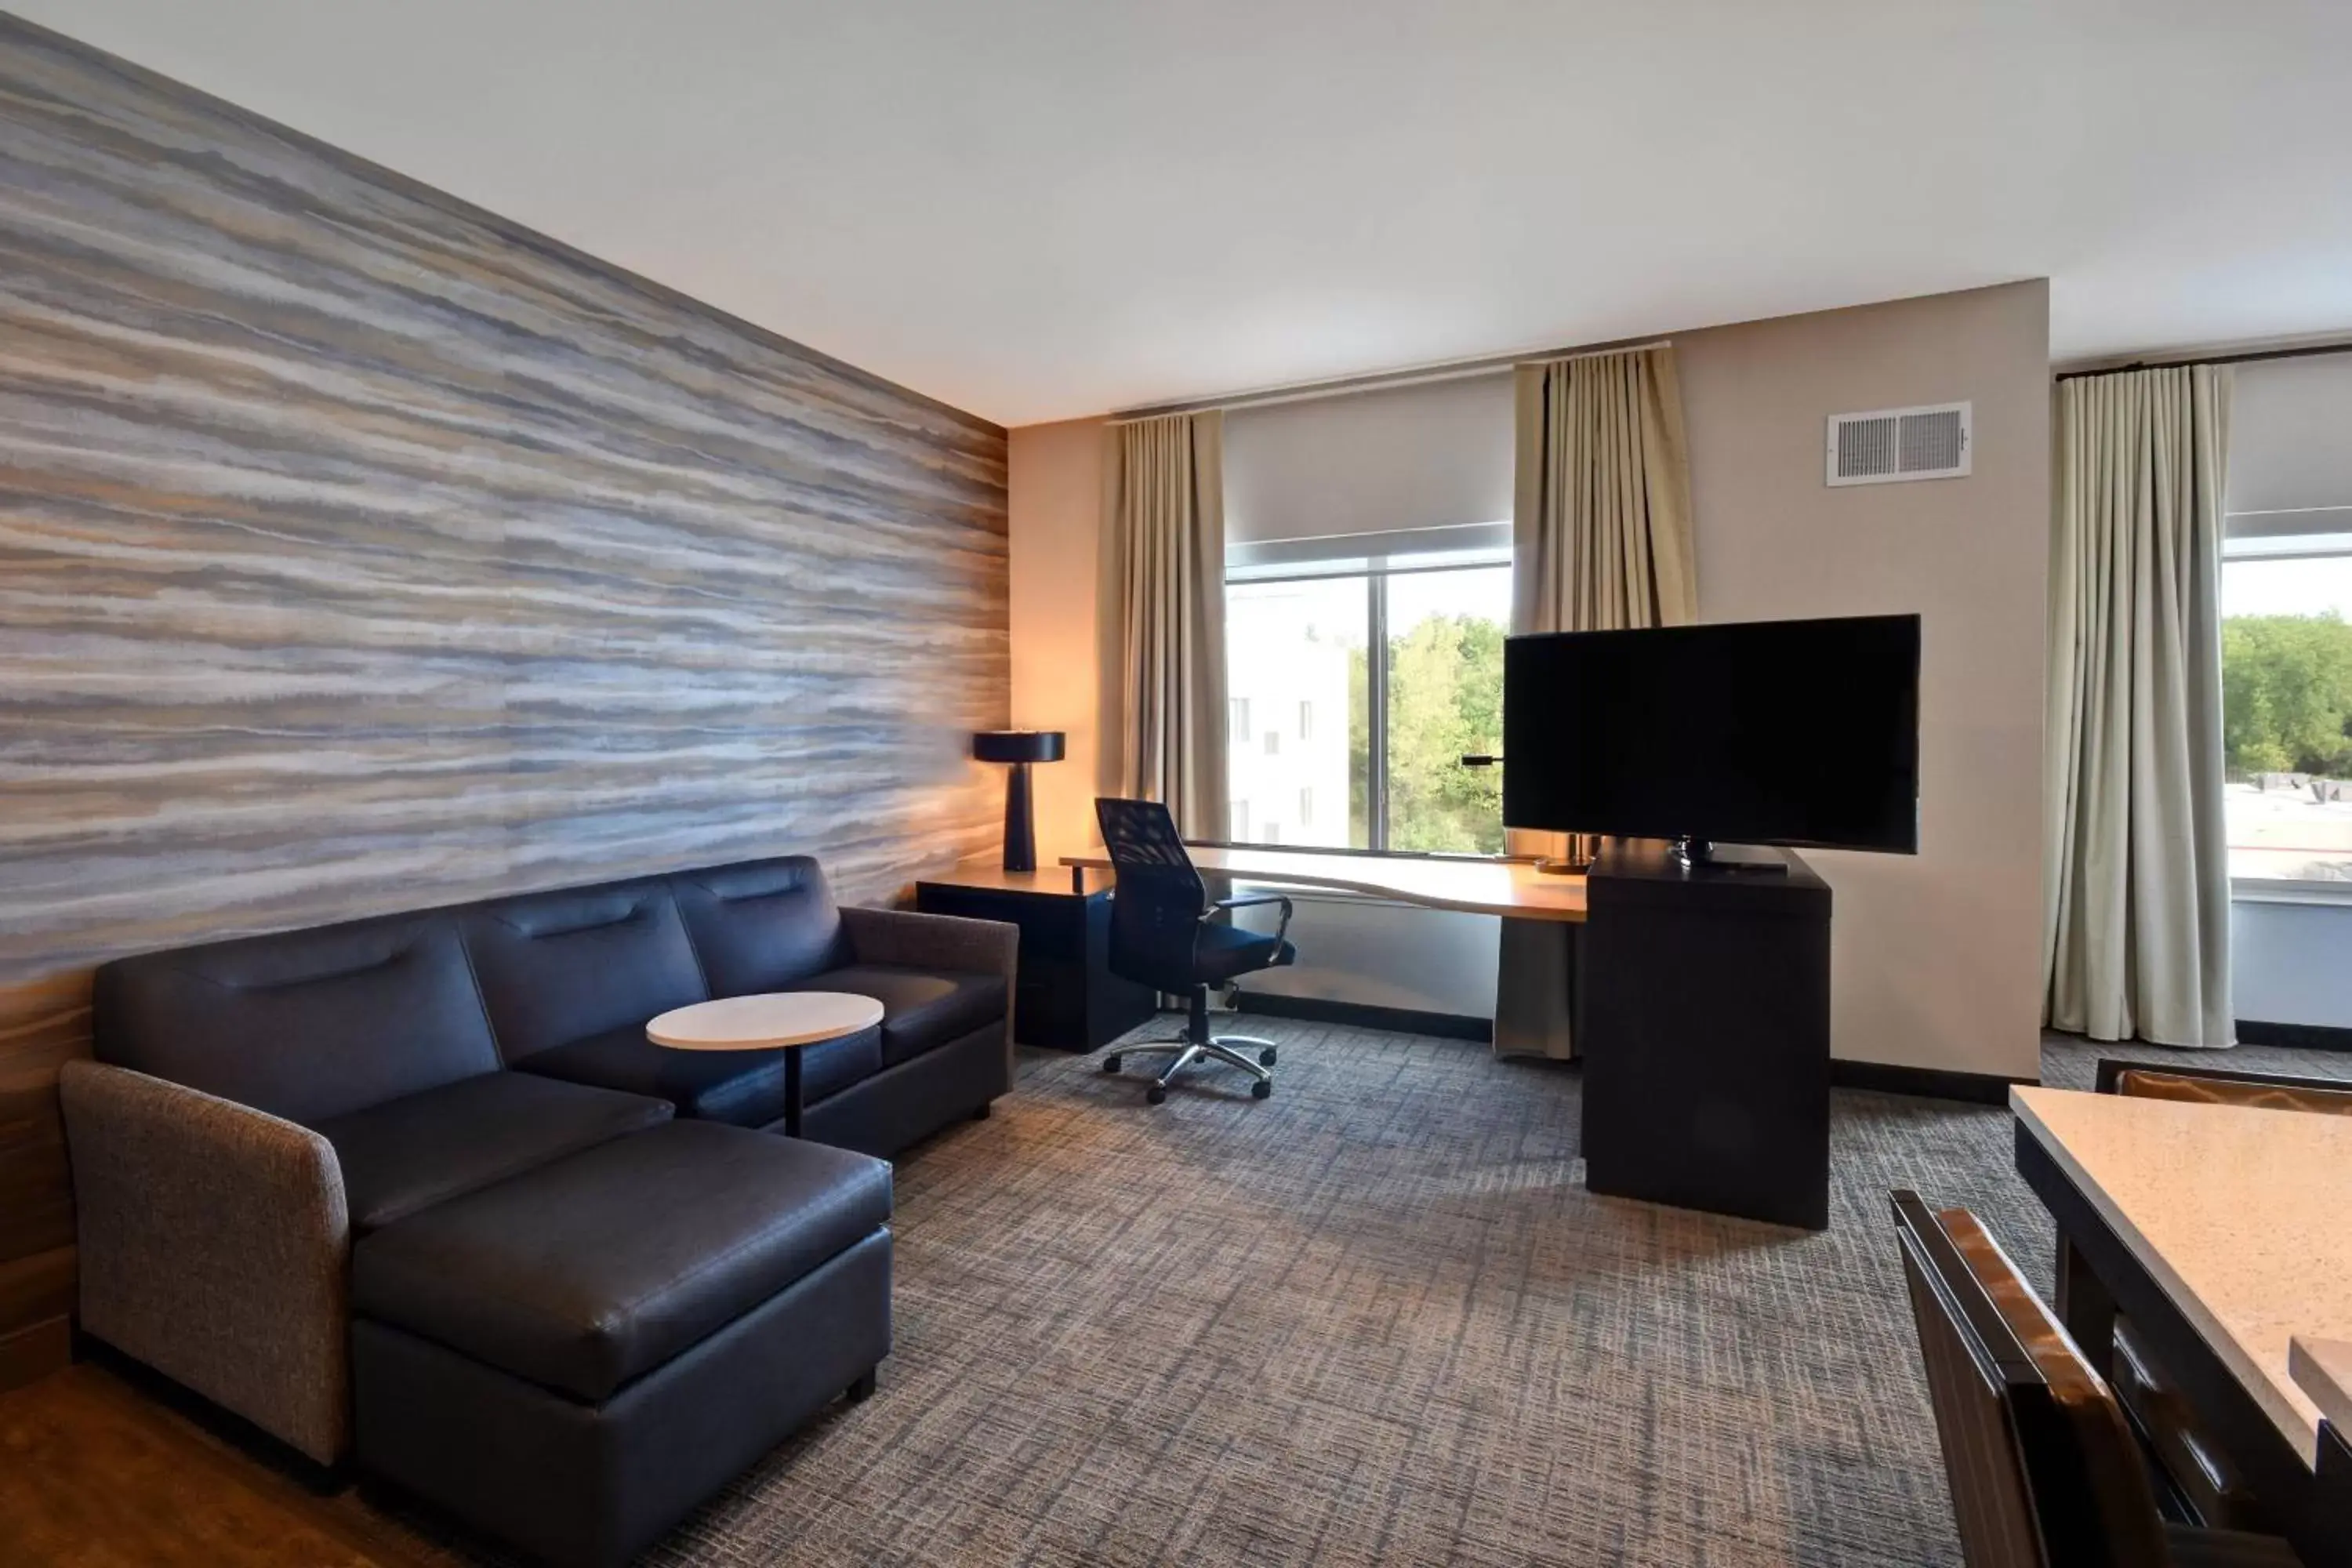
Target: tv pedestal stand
1705,1033
1754,860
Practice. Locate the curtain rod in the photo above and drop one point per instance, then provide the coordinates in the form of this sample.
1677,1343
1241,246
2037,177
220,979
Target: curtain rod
1378,381
2305,351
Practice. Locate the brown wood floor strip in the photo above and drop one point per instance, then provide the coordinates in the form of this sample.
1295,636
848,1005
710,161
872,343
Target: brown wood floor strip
36,1351
37,1287
94,1474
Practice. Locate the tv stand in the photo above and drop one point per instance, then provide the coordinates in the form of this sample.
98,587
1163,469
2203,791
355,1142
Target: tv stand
1691,854
1705,1034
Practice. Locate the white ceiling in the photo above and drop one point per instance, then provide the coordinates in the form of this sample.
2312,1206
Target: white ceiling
1042,208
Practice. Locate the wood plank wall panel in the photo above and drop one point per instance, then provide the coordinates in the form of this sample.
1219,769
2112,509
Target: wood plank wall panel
359,549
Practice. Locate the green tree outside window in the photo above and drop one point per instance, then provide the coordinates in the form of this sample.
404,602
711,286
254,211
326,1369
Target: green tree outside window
2286,695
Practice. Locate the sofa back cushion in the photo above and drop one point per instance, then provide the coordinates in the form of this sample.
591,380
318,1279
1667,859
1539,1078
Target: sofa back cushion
305,1025
761,925
558,967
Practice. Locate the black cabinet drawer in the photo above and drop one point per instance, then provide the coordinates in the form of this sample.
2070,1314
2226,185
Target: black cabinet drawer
1065,996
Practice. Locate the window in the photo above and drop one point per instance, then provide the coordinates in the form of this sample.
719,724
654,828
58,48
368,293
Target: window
1297,641
1409,646
1444,685
1237,713
2286,705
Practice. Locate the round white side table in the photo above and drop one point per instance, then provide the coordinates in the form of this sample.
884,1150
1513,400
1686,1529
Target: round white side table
775,1020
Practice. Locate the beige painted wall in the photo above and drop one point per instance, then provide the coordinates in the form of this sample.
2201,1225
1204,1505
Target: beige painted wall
1938,957
1064,667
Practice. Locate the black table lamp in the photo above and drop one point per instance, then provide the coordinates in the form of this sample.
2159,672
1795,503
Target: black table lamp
1019,747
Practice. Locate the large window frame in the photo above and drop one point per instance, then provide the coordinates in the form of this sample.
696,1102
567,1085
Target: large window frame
1482,547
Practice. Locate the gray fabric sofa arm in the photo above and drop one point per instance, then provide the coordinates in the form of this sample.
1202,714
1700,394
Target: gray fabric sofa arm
214,1247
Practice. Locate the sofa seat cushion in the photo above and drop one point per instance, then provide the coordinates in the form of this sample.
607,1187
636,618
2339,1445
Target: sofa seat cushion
922,1009
409,1153
591,1272
745,1088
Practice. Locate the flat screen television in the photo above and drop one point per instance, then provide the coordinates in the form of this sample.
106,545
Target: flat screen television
1803,733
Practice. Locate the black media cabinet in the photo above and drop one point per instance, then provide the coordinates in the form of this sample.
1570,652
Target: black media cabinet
1705,1034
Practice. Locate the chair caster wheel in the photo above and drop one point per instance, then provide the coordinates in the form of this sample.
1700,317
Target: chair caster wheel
1266,1058
1110,1063
1262,1090
1155,1095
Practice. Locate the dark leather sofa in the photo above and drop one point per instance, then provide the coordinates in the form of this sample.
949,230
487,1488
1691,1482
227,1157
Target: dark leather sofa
417,1191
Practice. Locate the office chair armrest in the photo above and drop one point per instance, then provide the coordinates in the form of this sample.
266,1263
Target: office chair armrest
1247,900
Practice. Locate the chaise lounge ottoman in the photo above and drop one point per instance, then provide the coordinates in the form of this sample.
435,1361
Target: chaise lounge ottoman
573,1358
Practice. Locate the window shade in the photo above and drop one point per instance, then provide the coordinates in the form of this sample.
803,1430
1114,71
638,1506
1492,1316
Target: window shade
1332,554
1411,464
2291,449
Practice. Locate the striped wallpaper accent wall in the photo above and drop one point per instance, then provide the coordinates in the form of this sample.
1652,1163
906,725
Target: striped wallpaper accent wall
359,549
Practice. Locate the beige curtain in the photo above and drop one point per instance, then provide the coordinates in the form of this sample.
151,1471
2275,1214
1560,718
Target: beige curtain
1600,539
1601,532
1168,526
2136,927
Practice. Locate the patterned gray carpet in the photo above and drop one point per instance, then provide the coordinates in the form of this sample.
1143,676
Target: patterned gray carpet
1377,1319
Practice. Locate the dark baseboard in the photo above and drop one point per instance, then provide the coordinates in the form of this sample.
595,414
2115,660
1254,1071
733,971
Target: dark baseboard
1930,1083
2306,1036
1404,1020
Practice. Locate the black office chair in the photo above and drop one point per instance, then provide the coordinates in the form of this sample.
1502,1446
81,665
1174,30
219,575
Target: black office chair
1162,935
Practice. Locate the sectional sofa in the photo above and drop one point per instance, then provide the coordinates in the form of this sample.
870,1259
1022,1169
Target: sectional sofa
416,1192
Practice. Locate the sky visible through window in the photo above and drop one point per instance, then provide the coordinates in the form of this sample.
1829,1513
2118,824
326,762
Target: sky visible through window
2307,586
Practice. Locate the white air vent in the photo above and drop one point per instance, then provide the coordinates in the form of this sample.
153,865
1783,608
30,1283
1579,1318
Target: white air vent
1892,444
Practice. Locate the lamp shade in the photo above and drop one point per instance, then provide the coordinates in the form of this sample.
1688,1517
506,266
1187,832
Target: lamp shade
1017,745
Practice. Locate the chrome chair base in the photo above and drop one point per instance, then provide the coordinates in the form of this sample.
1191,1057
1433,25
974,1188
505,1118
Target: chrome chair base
1251,1055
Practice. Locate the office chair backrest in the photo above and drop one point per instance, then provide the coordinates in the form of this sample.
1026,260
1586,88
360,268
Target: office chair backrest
2041,1469
1156,909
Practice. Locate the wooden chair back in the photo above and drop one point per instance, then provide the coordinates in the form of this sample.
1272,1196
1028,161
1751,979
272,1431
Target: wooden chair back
2042,1469
2218,1085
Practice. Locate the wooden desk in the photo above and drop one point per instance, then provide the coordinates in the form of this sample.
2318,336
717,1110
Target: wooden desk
1514,890
1715,977
2224,1233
